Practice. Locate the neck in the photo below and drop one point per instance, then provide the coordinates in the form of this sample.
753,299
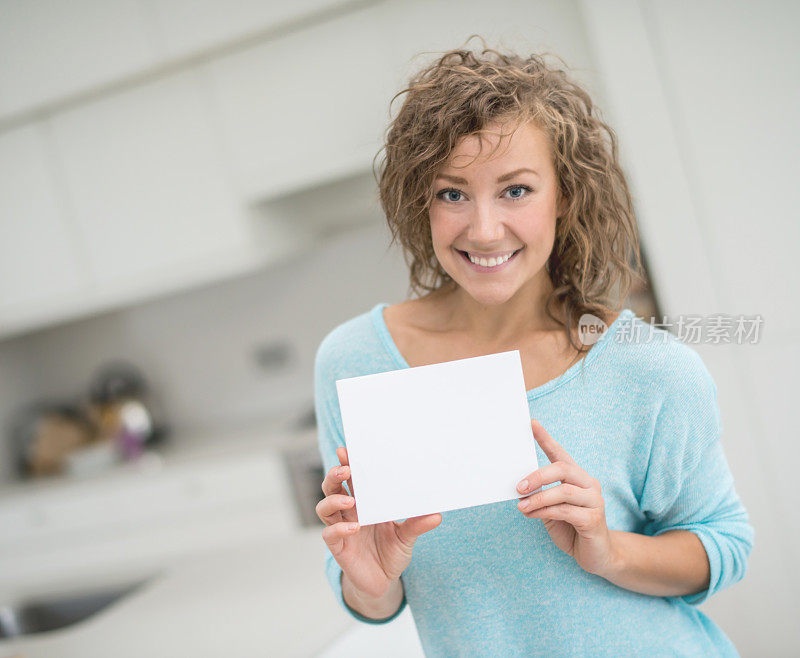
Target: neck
506,322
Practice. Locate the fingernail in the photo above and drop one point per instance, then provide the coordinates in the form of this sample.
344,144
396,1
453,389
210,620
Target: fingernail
522,487
353,526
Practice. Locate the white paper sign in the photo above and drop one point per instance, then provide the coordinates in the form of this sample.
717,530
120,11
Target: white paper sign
438,437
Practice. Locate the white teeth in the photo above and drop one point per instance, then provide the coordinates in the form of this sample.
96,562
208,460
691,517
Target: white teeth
491,262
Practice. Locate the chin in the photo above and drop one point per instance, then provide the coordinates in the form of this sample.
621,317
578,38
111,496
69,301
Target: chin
489,295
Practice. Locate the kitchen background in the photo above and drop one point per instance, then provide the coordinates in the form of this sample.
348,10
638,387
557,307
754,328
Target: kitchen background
187,208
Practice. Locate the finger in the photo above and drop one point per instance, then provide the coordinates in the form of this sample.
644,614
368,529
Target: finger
332,484
563,493
557,472
330,509
578,517
344,459
554,452
413,527
334,535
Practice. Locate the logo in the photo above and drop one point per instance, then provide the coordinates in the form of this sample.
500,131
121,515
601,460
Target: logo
590,328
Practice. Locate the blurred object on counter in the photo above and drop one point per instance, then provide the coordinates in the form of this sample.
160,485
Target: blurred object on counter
94,458
136,428
45,433
120,406
114,423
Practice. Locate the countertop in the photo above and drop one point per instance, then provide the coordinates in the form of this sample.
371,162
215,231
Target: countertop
264,600
209,523
214,492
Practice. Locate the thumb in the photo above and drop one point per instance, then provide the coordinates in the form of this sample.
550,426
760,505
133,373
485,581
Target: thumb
411,528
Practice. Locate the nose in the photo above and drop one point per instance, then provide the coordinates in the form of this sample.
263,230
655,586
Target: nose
485,227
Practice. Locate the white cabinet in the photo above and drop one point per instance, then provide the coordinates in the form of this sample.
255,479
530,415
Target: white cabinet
186,26
150,196
143,514
39,264
314,104
306,107
421,30
50,49
180,178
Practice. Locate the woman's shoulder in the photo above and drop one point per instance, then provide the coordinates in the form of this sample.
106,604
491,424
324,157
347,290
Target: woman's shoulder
657,360
351,347
667,384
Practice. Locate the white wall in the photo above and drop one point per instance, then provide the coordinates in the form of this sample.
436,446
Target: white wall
704,97
731,78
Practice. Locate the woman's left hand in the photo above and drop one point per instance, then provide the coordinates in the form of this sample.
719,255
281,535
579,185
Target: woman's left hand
574,511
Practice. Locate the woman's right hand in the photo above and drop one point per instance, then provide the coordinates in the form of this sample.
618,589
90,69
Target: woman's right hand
373,556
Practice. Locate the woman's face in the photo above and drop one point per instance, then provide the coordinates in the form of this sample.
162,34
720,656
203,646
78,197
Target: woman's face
496,208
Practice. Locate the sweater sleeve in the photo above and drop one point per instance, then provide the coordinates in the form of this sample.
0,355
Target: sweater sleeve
330,436
688,485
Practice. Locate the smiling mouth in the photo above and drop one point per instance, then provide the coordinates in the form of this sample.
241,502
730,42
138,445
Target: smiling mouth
487,267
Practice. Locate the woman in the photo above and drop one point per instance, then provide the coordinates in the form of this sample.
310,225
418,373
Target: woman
504,189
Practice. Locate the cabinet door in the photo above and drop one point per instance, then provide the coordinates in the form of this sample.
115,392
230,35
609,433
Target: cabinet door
50,49
39,265
304,107
188,26
314,104
149,193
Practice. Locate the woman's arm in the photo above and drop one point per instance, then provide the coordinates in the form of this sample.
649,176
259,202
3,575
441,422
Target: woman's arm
672,564
702,537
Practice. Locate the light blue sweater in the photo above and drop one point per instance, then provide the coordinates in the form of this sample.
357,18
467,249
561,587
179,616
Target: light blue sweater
639,415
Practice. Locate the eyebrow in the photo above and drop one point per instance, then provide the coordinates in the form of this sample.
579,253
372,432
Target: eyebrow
504,177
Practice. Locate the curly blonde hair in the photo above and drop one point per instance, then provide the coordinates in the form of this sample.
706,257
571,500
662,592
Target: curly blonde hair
596,244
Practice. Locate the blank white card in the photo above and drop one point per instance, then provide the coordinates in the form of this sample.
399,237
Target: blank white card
438,437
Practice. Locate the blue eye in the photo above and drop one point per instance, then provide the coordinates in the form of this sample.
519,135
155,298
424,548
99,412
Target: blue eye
520,188
453,195
448,194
